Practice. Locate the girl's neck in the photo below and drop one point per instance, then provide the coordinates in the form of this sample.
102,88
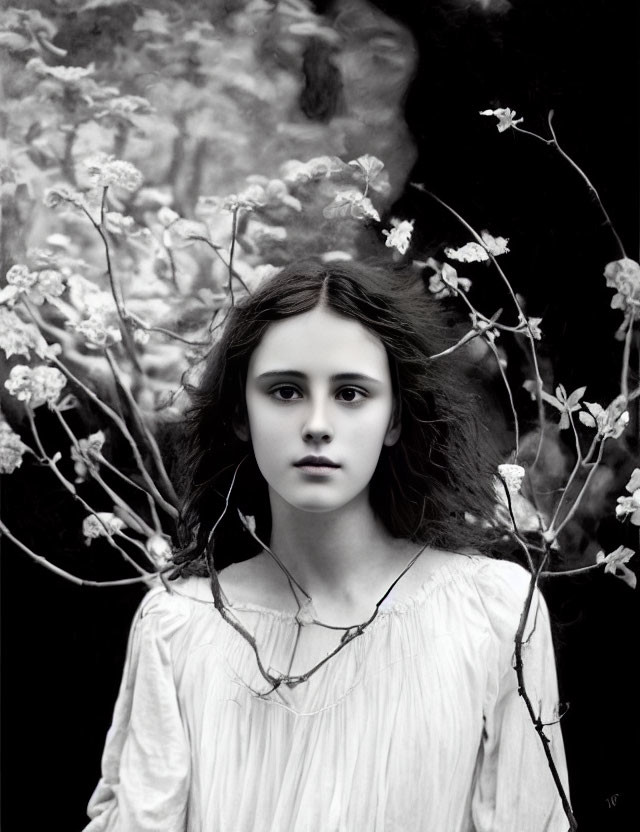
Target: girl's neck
338,554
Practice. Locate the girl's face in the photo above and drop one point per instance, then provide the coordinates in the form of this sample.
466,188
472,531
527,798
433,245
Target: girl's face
320,406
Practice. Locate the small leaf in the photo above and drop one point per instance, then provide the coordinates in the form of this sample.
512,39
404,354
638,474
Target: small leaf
561,393
547,397
587,419
575,397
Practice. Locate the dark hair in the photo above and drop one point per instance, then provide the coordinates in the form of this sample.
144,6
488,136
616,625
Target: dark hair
425,486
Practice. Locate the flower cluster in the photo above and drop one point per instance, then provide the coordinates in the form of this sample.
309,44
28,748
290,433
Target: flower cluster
101,524
35,385
475,252
624,276
21,278
19,338
12,449
39,287
106,170
66,74
512,475
615,563
97,332
506,117
87,454
630,506
610,421
400,235
159,550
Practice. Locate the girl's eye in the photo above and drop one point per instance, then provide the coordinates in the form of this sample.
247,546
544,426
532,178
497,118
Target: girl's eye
285,393
351,395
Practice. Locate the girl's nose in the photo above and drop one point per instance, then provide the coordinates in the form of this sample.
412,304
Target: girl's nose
317,425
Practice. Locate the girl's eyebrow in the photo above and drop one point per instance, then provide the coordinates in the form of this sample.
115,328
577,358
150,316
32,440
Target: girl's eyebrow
337,377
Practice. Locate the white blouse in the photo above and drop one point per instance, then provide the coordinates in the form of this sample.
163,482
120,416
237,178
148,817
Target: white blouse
414,726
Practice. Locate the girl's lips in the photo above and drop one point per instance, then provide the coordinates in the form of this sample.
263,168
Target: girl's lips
316,463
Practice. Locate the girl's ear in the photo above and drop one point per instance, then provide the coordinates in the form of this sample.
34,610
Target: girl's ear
395,427
240,424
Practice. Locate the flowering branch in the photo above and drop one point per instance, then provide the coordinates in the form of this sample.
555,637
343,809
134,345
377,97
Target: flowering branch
148,436
51,463
4,530
93,472
122,426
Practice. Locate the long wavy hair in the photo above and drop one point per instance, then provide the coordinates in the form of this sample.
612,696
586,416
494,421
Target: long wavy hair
434,486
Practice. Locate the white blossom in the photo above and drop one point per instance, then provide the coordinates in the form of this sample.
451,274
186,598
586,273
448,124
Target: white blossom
35,385
506,117
141,336
20,277
97,332
118,223
106,170
19,338
101,524
610,422
615,563
624,276
512,476
479,252
159,550
67,74
12,449
630,506
49,285
399,237
89,451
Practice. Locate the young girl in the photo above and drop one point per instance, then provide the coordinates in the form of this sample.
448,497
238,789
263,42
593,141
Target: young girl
338,480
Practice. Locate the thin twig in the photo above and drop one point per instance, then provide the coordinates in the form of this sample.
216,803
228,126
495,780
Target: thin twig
588,183
522,691
67,575
521,315
148,435
516,424
552,532
626,356
93,471
122,426
68,486
577,466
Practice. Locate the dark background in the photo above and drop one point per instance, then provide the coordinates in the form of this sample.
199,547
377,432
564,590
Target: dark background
63,646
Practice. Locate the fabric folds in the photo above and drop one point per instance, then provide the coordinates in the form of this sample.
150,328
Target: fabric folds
415,725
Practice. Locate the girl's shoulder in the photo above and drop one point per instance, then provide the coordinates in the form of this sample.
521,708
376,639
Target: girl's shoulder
464,580
466,570
175,601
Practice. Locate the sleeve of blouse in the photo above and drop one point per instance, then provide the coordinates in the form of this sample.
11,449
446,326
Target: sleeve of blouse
514,787
145,764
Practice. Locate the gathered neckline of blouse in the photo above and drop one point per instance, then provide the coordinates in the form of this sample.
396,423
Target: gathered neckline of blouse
445,573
